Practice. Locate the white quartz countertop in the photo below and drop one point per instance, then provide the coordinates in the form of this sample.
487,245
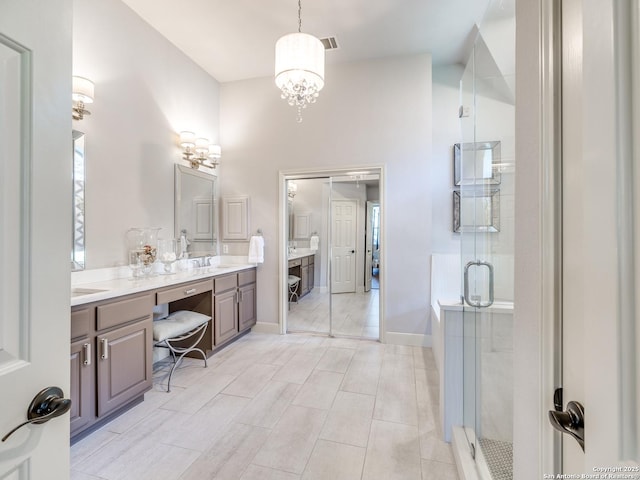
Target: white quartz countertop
83,293
301,254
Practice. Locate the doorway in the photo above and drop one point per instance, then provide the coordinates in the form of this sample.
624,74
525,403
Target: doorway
332,253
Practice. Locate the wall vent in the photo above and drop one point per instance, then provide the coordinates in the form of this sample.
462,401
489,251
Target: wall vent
330,43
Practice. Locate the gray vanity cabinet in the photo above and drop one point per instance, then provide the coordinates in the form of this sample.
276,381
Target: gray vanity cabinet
304,268
111,358
225,305
247,299
234,301
82,370
311,273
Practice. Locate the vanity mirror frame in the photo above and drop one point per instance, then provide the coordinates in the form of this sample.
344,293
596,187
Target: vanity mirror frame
469,172
78,251
484,199
203,211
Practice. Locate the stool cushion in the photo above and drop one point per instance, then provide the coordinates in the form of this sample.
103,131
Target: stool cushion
177,323
293,279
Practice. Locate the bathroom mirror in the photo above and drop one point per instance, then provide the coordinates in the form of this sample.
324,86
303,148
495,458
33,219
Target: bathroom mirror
78,237
195,207
476,211
473,163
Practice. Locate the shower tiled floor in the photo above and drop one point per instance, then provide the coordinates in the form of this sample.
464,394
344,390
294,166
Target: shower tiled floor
498,457
281,407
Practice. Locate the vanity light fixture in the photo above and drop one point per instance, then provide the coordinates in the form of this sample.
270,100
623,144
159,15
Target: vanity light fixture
299,68
198,151
82,94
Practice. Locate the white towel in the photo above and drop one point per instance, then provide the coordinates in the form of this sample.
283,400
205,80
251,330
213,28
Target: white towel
313,242
256,249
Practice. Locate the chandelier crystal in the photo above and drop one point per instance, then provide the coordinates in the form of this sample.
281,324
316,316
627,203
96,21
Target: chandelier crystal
299,71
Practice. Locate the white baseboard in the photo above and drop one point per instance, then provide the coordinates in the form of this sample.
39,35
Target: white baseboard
263,327
411,339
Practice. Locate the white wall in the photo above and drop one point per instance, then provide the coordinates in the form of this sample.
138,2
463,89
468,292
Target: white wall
146,91
370,113
446,132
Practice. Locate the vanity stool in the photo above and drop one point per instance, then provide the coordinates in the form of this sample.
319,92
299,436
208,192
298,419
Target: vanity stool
293,283
180,332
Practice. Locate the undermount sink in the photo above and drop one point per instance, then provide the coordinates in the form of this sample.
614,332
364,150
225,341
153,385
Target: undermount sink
225,266
76,292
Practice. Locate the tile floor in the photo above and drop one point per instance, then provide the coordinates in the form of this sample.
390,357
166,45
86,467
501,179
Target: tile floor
272,407
354,314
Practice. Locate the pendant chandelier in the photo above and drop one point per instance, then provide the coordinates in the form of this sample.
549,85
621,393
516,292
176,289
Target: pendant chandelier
299,67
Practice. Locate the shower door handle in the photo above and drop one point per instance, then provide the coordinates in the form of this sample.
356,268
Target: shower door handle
467,299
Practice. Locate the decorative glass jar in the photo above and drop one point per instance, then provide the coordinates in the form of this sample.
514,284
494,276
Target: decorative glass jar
142,249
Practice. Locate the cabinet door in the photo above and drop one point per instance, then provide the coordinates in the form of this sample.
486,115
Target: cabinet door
247,306
225,315
81,393
235,218
304,282
311,277
124,365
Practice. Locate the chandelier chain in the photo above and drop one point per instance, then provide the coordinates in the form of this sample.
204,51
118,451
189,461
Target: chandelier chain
299,16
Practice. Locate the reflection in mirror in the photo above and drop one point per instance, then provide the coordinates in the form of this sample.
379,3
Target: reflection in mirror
476,211
355,294
195,210
78,237
474,163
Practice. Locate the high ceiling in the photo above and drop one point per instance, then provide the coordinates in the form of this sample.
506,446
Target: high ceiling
234,39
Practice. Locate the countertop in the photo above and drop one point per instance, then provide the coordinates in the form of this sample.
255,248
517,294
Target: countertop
84,293
301,254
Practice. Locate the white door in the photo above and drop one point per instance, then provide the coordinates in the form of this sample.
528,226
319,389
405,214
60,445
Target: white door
601,241
343,246
35,230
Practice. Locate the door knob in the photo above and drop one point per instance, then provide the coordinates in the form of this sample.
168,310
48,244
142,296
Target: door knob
47,404
570,421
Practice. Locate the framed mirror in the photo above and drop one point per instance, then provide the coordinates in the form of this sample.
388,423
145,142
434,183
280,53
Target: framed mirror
77,202
195,212
476,211
473,163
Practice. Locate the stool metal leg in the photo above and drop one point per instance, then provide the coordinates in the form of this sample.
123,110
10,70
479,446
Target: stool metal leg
178,353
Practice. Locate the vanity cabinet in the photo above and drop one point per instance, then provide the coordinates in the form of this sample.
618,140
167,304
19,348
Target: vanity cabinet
111,358
311,276
304,268
82,392
234,300
247,314
225,304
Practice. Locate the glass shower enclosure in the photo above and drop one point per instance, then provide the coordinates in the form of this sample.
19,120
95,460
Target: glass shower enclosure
484,171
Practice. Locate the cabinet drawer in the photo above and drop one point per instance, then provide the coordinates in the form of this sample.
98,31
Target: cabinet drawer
246,277
183,291
124,311
81,322
221,284
312,259
295,263
305,261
